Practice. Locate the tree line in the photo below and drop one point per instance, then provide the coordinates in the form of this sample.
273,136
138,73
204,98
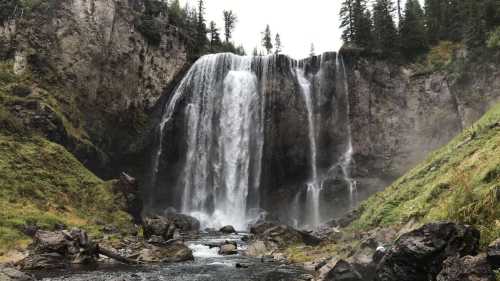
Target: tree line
410,31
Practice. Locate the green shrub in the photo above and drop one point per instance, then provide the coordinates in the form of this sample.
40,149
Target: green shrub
150,28
442,55
493,41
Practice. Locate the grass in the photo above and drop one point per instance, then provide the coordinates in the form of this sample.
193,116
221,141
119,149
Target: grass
42,183
459,182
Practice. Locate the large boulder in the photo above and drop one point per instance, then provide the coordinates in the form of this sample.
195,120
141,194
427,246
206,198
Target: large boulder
418,255
282,234
466,269
175,252
228,248
166,226
494,254
228,229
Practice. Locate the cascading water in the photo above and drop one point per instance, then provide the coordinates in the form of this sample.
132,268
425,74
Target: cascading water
313,187
346,162
223,126
214,132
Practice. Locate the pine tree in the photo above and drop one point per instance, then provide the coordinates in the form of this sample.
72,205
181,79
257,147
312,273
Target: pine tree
347,21
412,31
312,52
356,22
255,52
214,36
384,28
433,20
266,40
230,20
201,28
277,44
475,30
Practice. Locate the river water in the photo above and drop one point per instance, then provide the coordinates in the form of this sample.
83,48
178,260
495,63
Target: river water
207,266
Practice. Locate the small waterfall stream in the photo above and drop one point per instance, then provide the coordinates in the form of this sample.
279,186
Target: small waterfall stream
313,187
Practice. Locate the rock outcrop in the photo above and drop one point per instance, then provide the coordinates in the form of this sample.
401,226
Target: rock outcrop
467,268
419,254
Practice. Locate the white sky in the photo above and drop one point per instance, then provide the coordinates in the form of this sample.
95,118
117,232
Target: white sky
299,23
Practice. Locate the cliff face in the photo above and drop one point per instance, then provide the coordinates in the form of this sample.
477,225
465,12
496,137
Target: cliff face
92,51
399,116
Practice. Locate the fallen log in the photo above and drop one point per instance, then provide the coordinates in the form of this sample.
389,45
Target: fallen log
110,254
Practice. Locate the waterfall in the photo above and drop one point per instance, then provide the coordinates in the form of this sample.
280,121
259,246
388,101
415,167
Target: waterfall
224,138
346,162
211,140
313,187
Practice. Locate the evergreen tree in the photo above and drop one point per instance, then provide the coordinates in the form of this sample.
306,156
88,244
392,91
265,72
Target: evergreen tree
356,22
277,44
175,13
230,20
255,52
412,31
347,21
312,51
201,28
433,20
476,29
384,28
214,36
266,40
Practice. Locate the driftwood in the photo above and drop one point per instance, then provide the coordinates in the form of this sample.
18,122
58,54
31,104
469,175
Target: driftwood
115,256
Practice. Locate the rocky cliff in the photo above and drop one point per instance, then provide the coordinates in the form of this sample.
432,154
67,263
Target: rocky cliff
103,73
400,114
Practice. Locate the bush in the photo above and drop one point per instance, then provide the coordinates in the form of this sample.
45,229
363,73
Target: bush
493,41
442,55
150,28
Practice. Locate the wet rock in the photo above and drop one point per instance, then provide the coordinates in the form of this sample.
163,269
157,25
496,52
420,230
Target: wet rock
176,252
419,254
228,248
343,271
166,226
242,265
494,254
466,269
12,274
228,229
257,248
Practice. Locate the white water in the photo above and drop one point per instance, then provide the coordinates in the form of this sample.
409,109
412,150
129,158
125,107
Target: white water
313,187
224,121
347,157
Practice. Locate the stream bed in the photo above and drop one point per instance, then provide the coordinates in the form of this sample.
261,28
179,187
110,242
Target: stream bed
207,266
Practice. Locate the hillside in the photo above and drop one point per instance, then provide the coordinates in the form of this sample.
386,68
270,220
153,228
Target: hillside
41,183
459,182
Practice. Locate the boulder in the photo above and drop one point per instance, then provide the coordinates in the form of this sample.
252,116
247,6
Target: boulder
12,274
176,252
228,229
282,234
228,248
166,226
419,254
493,252
343,271
257,248
467,268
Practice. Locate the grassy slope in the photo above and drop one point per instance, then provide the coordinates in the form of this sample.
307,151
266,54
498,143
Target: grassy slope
459,182
40,181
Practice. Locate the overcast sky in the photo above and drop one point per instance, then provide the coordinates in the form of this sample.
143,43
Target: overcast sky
299,23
